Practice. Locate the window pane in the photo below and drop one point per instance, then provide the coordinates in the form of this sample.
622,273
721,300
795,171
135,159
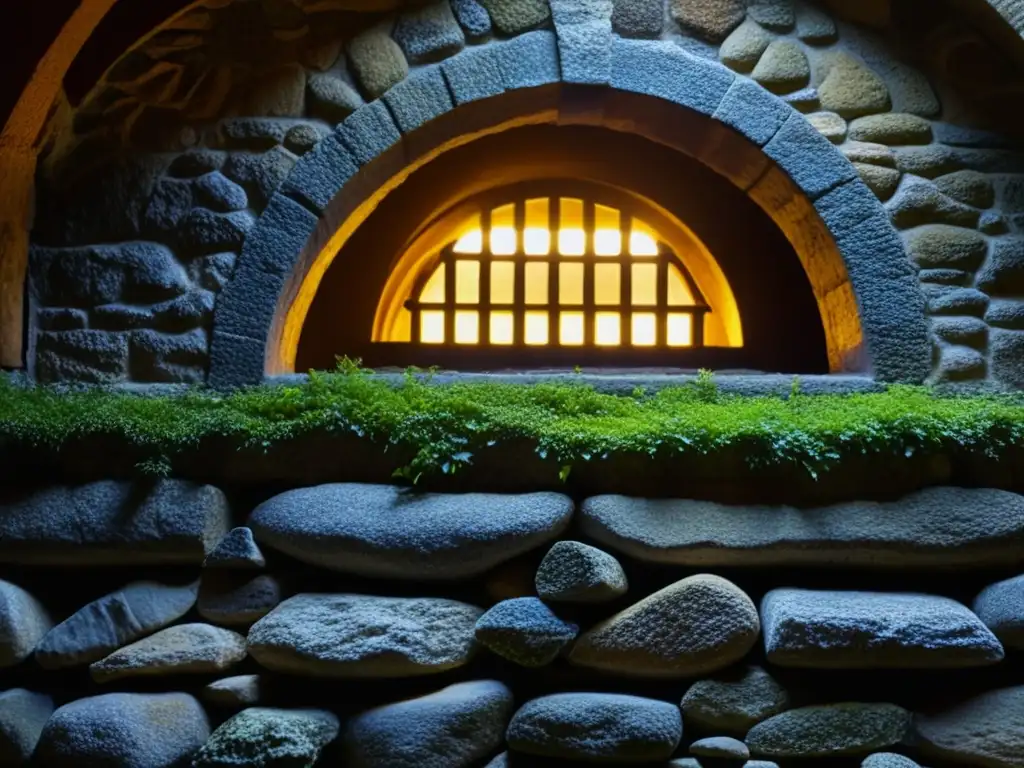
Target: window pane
467,282
467,327
607,235
678,292
501,327
572,240
570,283
642,240
607,284
433,291
645,329
470,237
503,239
503,282
570,329
645,285
537,283
680,330
432,326
537,235
607,329
536,332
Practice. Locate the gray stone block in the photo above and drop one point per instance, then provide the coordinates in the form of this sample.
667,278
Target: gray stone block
639,18
957,363
950,300
584,31
753,111
181,649
524,630
247,306
418,99
234,692
530,60
261,174
428,32
369,132
1007,357
170,202
810,160
1006,313
22,717
734,703
278,238
664,70
513,17
473,18
832,730
269,737
61,319
196,162
331,98
218,193
236,361
203,232
321,174
918,201
474,74
1001,607
970,331
1003,273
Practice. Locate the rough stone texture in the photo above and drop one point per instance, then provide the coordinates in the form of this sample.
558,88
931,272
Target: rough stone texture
525,631
831,730
473,18
23,623
947,300
278,93
956,277
936,526
892,129
734,704
429,32
960,364
1006,313
783,68
113,621
378,530
638,18
888,760
456,727
830,125
722,747
575,572
969,331
940,245
711,20
918,201
261,738
695,626
218,193
968,187
870,154
987,730
237,550
234,692
261,174
230,599
814,26
596,727
1001,607
873,630
1003,273
584,31
331,98
170,521
302,138
852,89
377,60
743,49
512,17
1007,357
882,181
22,717
126,730
418,99
809,158
363,636
776,15
182,649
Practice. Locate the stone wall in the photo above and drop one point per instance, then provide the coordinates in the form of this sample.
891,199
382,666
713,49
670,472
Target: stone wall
149,195
170,623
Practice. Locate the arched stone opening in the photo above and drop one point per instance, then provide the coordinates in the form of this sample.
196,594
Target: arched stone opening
870,305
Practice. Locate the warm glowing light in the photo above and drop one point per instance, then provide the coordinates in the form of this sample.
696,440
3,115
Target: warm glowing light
607,329
432,326
680,330
645,329
642,240
536,328
502,324
433,291
679,294
645,285
470,242
503,241
536,242
467,327
467,282
607,242
607,284
503,282
536,283
572,242
570,283
570,329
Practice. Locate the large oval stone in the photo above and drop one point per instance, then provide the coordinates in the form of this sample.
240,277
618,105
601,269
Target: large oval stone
184,649
23,623
873,630
832,730
987,730
596,727
385,531
268,737
1001,607
692,627
361,636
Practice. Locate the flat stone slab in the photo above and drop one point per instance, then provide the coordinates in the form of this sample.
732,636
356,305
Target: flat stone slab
873,630
183,649
358,636
831,730
113,523
386,531
936,527
987,731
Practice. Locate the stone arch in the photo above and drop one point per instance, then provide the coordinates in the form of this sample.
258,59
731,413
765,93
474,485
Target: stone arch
870,302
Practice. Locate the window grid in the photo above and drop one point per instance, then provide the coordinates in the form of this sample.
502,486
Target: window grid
666,315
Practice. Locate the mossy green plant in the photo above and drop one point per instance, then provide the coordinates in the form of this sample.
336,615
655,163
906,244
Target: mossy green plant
443,426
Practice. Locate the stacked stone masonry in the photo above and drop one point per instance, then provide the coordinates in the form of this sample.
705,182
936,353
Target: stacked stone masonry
148,195
370,626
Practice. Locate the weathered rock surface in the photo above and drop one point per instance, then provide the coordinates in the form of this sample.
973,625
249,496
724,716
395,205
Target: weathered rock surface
22,717
380,530
970,331
711,20
936,526
873,630
918,201
236,550
377,60
331,98
777,15
362,636
512,17
234,692
579,573
112,621
852,89
108,522
183,649
939,245
968,187
987,730
1003,273
832,730
229,599
23,623
734,704
888,760
882,181
124,730
596,727
830,125
695,626
429,32
269,737
638,18
892,129
745,46
783,68
1001,607
525,631
721,747
455,727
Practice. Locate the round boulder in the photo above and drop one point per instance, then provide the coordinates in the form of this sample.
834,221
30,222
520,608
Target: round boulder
525,631
22,717
734,704
720,747
269,737
575,572
986,731
456,727
123,730
1001,607
596,727
695,626
385,531
23,623
831,730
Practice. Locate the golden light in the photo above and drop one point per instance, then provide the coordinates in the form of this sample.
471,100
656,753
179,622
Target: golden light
536,241
536,332
432,326
570,329
607,329
467,282
502,325
645,329
470,242
503,282
503,241
467,327
572,242
680,330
